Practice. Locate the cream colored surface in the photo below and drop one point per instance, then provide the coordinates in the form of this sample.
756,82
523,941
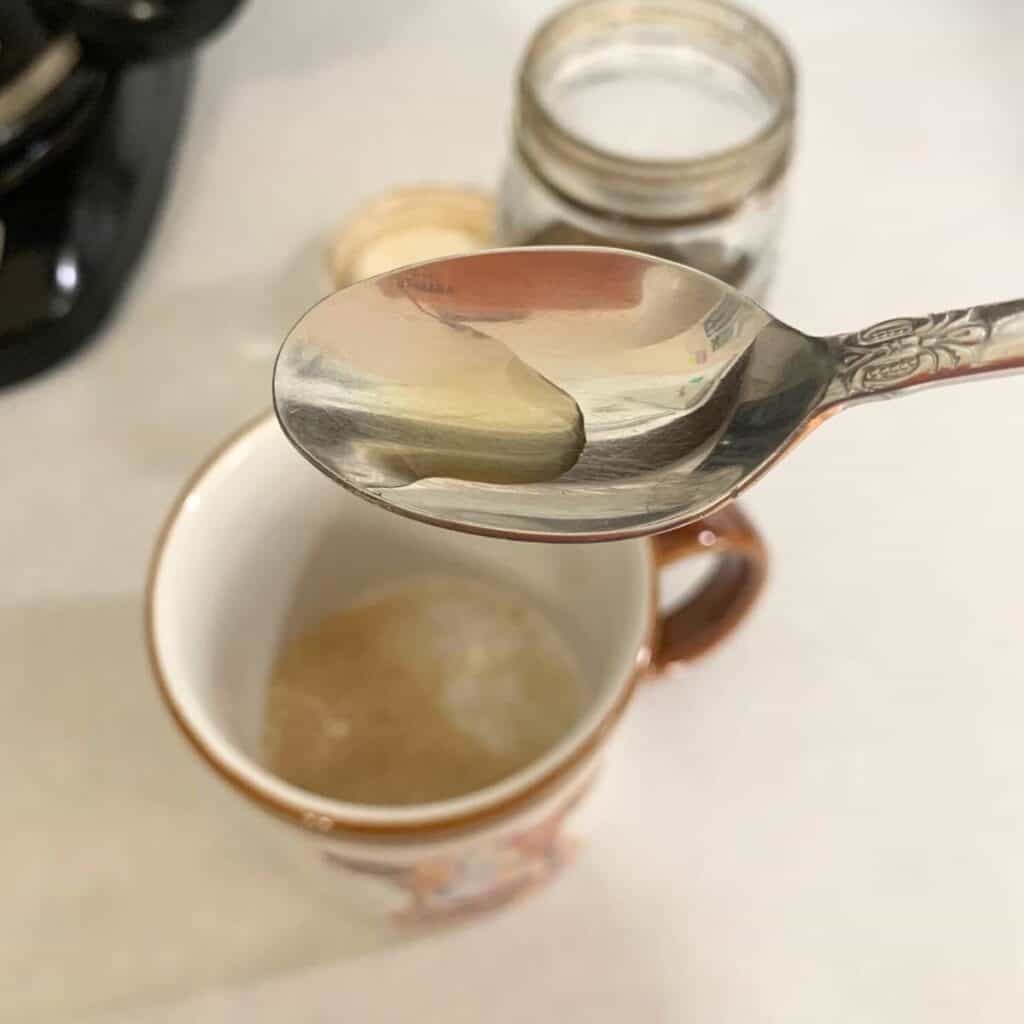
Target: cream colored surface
824,822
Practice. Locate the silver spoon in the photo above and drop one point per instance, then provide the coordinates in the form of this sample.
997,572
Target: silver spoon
585,393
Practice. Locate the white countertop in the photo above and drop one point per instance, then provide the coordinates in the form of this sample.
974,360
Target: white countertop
822,822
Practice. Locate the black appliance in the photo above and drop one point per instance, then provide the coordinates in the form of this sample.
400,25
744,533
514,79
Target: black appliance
92,98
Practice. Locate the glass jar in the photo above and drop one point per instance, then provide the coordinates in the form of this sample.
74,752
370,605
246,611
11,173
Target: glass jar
664,126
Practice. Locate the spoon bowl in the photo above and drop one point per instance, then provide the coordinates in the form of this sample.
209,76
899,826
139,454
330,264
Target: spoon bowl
579,393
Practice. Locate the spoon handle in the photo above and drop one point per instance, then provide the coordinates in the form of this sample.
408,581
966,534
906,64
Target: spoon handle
910,352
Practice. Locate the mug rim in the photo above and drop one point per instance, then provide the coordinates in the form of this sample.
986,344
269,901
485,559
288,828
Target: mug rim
347,819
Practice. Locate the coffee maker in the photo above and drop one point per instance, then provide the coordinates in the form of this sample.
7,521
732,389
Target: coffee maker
92,99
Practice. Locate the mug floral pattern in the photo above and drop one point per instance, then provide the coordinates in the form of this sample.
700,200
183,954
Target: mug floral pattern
209,573
484,876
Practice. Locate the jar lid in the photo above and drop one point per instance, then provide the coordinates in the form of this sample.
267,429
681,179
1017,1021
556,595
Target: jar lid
408,225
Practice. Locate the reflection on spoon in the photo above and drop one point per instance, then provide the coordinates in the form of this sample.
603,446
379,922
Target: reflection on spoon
640,349
434,398
688,389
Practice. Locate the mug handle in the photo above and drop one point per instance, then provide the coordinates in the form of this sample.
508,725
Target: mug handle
707,616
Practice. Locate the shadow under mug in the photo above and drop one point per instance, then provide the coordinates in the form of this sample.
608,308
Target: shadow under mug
260,546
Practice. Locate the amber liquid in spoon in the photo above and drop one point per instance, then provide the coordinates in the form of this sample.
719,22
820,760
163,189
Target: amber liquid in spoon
436,398
518,382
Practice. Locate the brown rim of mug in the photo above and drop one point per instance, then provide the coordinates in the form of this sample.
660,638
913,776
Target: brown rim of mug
315,821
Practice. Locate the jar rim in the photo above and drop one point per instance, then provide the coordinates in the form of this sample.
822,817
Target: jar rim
653,188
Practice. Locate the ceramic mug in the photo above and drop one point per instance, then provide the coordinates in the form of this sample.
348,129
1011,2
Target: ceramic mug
261,546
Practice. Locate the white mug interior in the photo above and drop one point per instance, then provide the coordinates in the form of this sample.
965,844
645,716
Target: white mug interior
262,545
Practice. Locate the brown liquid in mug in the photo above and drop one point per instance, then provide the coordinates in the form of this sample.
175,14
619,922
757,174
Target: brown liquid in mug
424,690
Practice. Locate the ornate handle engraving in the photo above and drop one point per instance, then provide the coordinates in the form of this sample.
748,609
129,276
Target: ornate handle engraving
910,351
